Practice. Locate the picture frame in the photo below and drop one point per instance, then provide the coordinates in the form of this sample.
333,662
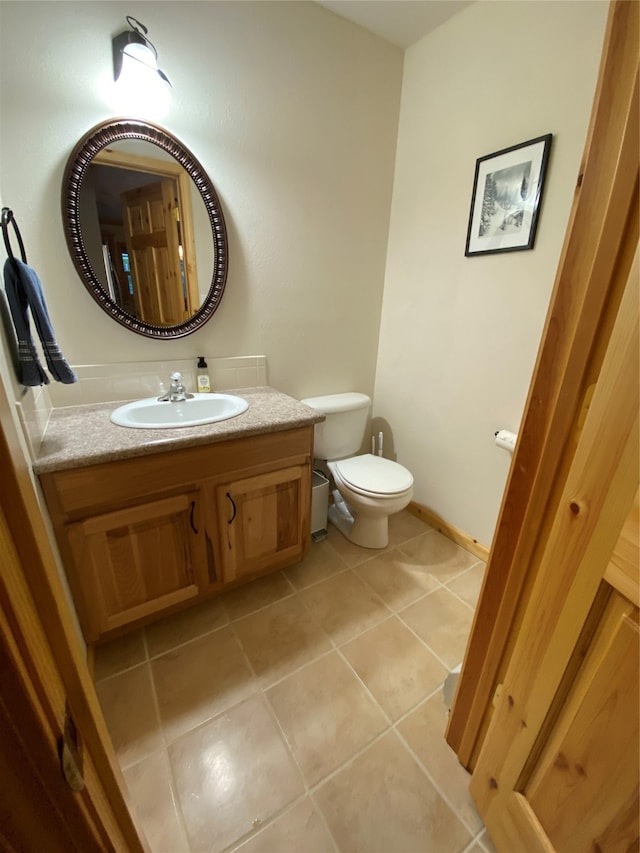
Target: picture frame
506,198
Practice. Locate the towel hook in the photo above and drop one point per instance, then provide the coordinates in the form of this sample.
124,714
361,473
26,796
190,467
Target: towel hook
8,217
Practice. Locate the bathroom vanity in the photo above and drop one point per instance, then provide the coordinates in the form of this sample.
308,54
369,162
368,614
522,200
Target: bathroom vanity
149,520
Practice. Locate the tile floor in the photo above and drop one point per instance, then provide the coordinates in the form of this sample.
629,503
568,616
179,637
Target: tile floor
303,713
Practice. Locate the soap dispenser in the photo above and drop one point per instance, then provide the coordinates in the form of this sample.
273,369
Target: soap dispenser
204,383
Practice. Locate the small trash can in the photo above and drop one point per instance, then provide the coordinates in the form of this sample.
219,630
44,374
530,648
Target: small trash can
319,504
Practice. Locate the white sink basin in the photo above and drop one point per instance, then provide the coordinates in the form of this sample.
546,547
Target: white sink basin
199,409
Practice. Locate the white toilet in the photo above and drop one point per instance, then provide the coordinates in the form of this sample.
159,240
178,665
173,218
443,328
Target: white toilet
368,488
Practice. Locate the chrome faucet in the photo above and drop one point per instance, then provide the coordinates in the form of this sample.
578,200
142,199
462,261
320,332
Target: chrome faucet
177,391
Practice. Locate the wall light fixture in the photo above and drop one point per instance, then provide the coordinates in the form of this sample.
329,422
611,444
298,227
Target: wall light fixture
135,62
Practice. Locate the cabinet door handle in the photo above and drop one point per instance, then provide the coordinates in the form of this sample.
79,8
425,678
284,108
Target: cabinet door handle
191,522
235,509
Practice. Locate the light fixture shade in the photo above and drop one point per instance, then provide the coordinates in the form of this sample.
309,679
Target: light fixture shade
130,47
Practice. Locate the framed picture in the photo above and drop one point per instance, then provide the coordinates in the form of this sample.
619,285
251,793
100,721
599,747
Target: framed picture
507,192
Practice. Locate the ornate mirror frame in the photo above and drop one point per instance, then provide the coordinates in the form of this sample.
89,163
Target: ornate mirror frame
99,137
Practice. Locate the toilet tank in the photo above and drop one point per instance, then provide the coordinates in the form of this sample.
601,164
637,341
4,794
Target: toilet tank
342,432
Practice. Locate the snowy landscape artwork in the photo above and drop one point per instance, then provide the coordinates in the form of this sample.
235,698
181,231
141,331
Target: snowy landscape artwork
506,198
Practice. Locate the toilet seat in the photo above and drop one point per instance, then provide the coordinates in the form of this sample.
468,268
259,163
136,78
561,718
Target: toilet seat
373,476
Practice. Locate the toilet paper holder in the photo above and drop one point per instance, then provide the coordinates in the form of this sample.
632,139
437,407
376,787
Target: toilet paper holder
506,439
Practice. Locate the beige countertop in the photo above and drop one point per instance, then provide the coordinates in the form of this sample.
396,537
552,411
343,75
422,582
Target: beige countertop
84,435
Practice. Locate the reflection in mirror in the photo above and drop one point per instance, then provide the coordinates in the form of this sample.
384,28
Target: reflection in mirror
137,214
140,214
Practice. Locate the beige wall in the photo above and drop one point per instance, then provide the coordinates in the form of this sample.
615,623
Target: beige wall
459,336
292,111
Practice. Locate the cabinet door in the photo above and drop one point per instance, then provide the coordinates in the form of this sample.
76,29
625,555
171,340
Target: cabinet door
264,521
137,561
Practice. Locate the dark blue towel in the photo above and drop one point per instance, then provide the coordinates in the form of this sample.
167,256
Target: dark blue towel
24,292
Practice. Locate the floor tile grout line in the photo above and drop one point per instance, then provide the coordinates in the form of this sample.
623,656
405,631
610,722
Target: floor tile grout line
283,573
163,750
151,658
306,607
462,601
416,705
244,653
339,644
301,565
126,766
427,646
355,575
465,571
433,781
386,716
411,603
307,790
299,669
437,581
475,558
285,810
262,607
285,739
302,665
325,822
172,781
145,657
353,757
419,704
120,672
181,645
313,584
145,643
485,833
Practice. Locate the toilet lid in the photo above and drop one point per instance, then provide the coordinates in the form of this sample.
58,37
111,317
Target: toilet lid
374,474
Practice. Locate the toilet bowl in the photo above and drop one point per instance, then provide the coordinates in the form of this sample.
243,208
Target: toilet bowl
367,488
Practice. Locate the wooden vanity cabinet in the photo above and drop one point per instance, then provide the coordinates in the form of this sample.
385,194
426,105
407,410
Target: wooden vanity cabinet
142,536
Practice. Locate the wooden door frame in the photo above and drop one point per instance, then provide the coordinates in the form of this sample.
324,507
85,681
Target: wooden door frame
172,170
592,272
43,654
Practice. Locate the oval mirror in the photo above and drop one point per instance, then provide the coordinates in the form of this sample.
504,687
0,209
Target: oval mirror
144,228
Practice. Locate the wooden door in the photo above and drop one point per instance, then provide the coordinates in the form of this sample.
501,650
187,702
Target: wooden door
136,561
559,766
151,221
44,679
263,521
593,271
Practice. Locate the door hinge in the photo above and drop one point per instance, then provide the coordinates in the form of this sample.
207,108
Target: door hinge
70,750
